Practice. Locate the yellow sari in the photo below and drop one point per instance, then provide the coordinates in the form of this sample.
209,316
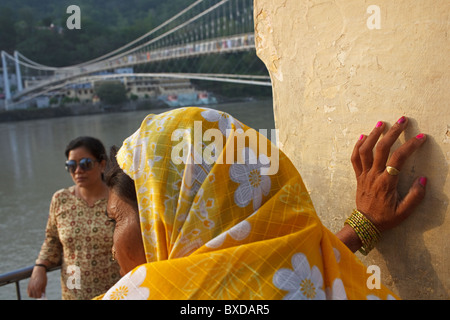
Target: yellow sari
225,220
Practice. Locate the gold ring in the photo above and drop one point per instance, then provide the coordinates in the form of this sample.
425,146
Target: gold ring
392,171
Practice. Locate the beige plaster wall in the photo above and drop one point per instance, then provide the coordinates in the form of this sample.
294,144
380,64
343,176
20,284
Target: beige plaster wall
337,68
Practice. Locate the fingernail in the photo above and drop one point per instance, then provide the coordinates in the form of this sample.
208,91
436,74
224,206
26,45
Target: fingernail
423,181
420,136
361,137
401,120
379,124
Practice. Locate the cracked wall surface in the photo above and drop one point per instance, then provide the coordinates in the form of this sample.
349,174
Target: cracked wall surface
337,68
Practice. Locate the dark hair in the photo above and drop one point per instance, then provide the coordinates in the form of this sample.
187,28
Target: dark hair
93,145
118,181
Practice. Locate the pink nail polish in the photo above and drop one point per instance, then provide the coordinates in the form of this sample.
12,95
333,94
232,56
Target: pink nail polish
423,181
361,137
420,136
401,120
379,124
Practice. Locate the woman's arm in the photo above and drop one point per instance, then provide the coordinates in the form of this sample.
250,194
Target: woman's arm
349,237
51,250
38,280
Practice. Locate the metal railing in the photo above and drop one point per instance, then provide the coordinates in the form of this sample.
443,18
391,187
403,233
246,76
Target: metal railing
19,274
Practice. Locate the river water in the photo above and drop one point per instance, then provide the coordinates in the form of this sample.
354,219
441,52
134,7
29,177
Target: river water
32,169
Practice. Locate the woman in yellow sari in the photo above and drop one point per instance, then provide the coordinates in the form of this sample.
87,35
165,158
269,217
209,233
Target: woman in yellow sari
201,215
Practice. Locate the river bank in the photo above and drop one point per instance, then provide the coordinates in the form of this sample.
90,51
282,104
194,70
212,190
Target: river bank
77,109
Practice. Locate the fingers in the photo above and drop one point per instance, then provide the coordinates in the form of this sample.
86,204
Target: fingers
385,144
366,148
400,155
355,158
412,199
363,158
33,292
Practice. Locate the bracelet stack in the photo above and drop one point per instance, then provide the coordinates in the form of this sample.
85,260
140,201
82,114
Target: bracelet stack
366,231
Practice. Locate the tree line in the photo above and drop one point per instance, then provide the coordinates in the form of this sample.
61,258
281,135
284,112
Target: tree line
38,30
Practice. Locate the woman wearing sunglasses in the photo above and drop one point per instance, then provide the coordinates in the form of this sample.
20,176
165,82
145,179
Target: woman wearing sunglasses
78,234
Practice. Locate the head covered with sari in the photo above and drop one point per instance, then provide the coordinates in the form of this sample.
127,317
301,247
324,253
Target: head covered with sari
224,214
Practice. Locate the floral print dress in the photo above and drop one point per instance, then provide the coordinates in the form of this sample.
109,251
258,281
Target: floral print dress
79,238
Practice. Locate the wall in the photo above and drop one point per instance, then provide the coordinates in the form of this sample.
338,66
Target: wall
337,68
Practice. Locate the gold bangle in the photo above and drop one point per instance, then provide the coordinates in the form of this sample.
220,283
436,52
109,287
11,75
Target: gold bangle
365,230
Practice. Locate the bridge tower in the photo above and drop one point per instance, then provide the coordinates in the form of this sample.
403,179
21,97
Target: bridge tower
6,89
18,74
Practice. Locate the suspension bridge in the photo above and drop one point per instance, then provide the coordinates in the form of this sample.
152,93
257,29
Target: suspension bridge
206,27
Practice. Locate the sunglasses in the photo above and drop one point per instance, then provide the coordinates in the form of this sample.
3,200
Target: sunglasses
85,164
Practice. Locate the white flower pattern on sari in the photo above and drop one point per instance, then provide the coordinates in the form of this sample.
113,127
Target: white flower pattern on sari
337,291
238,232
129,287
252,184
226,122
303,283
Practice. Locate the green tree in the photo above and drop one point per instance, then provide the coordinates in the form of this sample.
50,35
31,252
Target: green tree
111,92
8,32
